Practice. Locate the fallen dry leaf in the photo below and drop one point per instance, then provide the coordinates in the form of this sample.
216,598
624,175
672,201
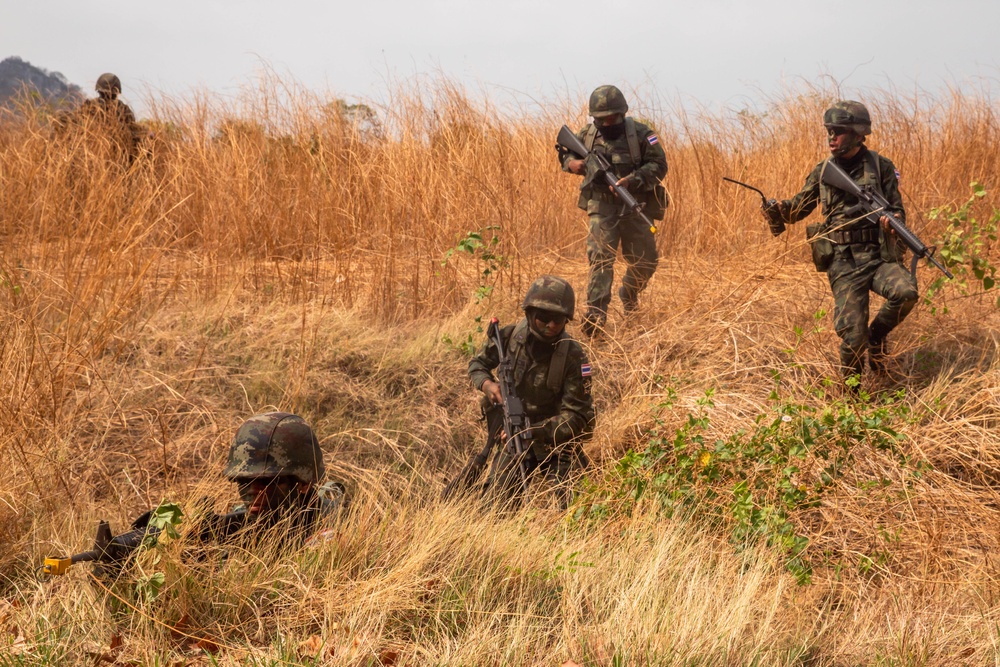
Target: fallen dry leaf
20,646
182,628
388,657
310,648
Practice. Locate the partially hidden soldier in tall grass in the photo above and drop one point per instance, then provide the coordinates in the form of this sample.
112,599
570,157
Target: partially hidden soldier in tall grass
108,118
276,463
858,255
638,160
552,378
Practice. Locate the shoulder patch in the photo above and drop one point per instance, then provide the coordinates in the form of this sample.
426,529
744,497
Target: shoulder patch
653,139
897,173
585,370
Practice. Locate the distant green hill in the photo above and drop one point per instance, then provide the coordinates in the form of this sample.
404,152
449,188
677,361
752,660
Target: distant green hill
16,73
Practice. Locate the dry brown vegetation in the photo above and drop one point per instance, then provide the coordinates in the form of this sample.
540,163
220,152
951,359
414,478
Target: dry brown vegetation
283,251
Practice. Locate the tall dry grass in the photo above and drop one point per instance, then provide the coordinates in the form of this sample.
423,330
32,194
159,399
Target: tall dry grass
285,250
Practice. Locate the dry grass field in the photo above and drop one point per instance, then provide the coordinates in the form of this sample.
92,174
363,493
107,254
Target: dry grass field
281,251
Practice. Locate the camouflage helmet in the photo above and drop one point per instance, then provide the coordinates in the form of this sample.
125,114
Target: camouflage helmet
551,293
606,101
275,444
850,114
109,83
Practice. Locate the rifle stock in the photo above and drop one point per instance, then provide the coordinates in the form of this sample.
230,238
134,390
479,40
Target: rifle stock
566,141
874,204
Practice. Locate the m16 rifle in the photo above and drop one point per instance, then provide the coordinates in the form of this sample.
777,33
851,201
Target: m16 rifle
515,422
875,205
567,142
508,418
769,206
111,550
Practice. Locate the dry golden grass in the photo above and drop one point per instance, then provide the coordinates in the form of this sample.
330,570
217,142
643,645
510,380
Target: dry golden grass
273,253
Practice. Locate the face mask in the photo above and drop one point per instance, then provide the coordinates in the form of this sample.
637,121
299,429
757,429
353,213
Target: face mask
612,132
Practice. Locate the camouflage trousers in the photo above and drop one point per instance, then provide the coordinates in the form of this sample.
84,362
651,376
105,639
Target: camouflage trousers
856,270
554,463
607,233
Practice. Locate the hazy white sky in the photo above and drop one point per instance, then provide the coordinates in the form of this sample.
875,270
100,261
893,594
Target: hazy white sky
713,52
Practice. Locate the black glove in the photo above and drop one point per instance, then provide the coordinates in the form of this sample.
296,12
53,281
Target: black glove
776,212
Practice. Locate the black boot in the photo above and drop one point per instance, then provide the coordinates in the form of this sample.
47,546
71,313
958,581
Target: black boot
592,324
630,302
877,348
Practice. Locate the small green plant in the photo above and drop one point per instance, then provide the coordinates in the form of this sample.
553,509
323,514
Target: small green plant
964,247
486,252
753,481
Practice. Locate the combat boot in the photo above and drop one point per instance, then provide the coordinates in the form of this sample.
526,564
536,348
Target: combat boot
877,348
592,324
630,303
877,354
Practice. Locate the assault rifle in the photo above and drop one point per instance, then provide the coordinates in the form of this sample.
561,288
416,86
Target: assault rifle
776,225
108,549
567,142
873,204
115,550
514,423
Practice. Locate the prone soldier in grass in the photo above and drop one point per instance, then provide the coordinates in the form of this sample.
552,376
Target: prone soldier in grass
638,161
276,463
552,378
859,253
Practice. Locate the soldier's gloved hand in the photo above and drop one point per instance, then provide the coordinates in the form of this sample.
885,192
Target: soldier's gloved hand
775,212
492,391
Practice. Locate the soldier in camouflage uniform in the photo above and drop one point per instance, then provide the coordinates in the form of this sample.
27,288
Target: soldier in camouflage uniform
639,162
112,118
276,463
858,255
553,380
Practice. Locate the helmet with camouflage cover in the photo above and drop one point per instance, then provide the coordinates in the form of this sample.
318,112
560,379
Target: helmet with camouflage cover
109,84
551,293
850,114
275,444
607,101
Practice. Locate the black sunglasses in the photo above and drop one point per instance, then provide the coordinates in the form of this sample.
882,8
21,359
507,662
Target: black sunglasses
545,317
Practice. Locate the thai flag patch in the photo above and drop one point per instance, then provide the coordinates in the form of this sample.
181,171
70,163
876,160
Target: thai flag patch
585,370
897,173
653,139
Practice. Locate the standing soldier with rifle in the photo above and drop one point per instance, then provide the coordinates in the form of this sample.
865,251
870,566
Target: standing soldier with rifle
538,407
856,247
638,164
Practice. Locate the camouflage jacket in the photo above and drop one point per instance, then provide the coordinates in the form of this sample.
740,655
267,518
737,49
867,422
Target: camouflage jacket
115,119
645,174
865,168
557,416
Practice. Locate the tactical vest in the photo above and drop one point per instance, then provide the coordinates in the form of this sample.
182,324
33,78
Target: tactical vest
871,177
557,364
630,135
623,162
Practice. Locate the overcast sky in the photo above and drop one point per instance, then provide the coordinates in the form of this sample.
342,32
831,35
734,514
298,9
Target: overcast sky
710,52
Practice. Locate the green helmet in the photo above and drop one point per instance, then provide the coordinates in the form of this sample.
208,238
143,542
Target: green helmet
275,444
551,293
606,101
109,83
850,114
